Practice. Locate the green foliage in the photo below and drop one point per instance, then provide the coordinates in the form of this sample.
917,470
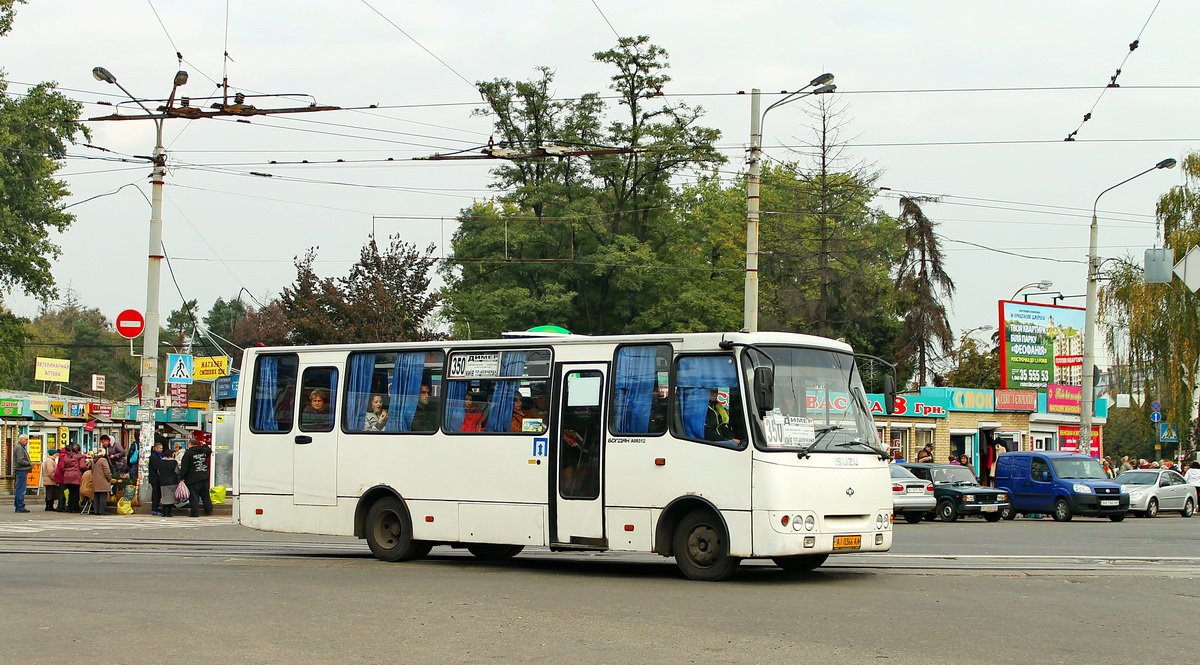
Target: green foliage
923,287
1154,329
1130,432
385,298
976,366
86,338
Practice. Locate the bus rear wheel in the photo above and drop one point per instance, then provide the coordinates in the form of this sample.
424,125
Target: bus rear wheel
489,552
701,547
801,563
389,532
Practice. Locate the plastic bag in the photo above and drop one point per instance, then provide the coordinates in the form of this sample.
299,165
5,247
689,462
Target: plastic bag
123,507
217,494
181,492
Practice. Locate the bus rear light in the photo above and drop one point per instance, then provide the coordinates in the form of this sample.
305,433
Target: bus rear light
660,461
810,541
258,511
784,520
879,539
629,527
897,487
429,518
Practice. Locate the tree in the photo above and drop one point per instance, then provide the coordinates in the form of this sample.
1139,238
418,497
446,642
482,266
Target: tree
385,298
922,284
577,241
34,131
1153,330
974,366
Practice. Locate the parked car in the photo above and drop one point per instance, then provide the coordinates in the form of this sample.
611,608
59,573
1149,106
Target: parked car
1152,490
958,492
1062,484
911,496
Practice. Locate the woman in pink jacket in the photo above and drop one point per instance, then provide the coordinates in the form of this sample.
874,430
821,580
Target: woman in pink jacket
68,473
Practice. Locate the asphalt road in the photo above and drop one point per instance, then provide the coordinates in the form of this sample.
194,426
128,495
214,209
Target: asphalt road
970,592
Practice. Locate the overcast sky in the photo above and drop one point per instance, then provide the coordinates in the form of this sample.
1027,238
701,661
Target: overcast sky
1016,204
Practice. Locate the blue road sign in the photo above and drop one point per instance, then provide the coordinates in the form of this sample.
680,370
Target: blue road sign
1156,417
1167,433
1156,405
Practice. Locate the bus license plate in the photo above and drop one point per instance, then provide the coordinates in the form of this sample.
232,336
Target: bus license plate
847,542
1109,502
988,509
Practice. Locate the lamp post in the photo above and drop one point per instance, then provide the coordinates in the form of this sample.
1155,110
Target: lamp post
1043,285
149,372
1088,392
824,84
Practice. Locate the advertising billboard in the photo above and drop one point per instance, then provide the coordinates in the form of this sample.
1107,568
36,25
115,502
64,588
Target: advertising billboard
1040,345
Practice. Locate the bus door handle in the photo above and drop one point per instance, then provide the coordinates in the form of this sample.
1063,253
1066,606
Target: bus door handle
303,438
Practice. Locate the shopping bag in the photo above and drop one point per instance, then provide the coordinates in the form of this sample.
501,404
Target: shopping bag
217,494
181,492
123,507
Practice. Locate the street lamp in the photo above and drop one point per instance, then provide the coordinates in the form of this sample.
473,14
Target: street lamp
153,265
1088,392
1043,285
824,84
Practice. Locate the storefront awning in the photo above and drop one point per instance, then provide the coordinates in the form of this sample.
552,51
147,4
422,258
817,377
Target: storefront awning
101,419
183,431
45,415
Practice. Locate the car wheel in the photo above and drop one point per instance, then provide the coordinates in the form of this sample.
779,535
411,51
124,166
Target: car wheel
947,511
1119,517
1062,511
1008,513
913,518
1152,508
702,547
993,517
1189,508
389,532
801,563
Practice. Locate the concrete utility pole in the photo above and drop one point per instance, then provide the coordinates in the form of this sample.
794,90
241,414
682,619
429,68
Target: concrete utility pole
149,368
1088,393
824,84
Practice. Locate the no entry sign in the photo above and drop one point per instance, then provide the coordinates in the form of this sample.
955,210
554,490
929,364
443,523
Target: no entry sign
130,323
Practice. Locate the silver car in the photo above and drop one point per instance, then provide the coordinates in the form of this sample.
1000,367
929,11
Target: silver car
911,496
1152,490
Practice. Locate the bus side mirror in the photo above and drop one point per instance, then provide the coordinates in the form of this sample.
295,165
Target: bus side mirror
889,394
764,389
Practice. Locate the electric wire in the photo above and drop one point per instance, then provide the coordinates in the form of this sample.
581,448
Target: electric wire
423,48
610,25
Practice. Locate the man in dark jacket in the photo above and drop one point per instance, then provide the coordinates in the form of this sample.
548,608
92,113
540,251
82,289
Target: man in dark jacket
193,469
155,481
21,467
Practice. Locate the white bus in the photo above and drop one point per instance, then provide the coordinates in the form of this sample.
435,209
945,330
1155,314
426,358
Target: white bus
708,447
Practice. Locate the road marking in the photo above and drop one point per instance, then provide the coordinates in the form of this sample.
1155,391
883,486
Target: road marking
109,523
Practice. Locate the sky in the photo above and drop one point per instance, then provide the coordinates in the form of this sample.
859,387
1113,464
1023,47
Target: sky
968,101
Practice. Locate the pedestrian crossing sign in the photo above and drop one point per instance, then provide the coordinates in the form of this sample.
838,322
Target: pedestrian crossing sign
1167,433
179,368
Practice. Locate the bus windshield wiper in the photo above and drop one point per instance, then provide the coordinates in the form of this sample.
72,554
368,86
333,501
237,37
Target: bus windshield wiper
860,442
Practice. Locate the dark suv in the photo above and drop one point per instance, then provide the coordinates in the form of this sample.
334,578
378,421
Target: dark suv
958,492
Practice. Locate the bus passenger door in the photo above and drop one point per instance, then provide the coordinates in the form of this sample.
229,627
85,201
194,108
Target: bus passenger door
579,449
314,469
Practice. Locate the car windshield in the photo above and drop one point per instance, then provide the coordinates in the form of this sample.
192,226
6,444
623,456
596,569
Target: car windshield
820,404
901,473
1138,478
953,475
1078,469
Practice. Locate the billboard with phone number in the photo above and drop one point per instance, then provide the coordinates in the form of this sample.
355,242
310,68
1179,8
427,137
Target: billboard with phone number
1040,345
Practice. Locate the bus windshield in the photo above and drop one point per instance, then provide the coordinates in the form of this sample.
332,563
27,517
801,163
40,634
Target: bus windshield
820,404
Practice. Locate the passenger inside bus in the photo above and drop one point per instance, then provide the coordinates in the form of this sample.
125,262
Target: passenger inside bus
475,413
376,416
425,417
316,416
721,424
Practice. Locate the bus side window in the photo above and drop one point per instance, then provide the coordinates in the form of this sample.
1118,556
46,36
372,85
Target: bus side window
319,389
708,406
272,399
640,388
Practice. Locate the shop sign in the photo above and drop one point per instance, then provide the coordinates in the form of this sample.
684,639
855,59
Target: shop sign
52,369
1068,440
1064,399
119,412
39,404
178,393
58,409
76,409
226,387
100,410
1016,400
971,399
10,408
35,450
209,368
917,406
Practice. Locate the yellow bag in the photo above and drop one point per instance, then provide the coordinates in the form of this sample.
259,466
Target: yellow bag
217,494
123,507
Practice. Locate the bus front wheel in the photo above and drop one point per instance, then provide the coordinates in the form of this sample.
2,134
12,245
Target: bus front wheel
389,532
702,547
